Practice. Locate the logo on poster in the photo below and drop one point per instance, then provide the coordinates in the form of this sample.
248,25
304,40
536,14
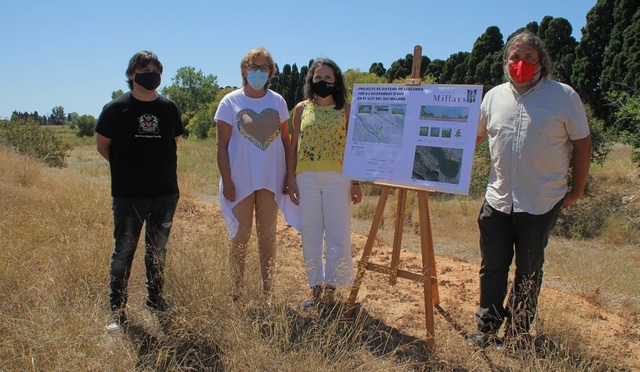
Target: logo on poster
469,97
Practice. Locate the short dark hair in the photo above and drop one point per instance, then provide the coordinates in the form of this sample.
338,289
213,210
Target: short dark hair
339,95
140,60
531,39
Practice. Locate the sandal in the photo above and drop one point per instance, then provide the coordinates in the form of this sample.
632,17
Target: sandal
330,295
314,296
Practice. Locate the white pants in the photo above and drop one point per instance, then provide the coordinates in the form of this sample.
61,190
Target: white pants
325,217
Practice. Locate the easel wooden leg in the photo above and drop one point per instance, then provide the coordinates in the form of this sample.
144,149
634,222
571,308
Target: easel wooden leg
397,237
362,264
430,282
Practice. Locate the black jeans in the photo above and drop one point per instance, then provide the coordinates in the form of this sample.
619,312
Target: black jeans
128,218
502,235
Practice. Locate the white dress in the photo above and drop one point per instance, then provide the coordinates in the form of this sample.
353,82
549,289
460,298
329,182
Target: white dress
256,151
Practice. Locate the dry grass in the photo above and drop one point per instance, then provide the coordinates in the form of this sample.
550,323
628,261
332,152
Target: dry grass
56,245
55,232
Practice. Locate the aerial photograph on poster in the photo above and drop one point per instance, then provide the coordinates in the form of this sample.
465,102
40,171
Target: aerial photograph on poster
380,123
437,164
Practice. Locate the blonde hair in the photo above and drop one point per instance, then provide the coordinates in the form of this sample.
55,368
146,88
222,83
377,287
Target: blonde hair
250,57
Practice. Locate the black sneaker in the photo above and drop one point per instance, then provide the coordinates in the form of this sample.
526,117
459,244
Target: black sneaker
159,305
117,321
483,339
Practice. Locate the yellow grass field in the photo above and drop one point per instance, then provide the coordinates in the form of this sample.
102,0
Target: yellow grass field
55,247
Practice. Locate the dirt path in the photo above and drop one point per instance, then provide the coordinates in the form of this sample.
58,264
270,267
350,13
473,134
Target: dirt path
596,331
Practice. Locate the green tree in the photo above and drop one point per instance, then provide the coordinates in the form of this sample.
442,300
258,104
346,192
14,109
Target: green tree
291,94
283,83
615,61
290,83
555,33
202,125
300,86
378,69
589,63
491,71
191,90
434,70
86,126
455,68
355,76
630,55
116,93
401,68
17,115
72,119
57,116
533,27
485,46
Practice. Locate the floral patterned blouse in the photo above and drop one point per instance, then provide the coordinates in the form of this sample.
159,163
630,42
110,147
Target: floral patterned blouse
323,132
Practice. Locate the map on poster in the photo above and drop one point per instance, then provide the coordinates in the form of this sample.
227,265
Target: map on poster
415,136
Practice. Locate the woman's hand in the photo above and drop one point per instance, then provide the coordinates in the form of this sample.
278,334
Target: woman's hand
229,191
294,194
356,193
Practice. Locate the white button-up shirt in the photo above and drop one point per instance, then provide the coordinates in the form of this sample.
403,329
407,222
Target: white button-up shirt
529,139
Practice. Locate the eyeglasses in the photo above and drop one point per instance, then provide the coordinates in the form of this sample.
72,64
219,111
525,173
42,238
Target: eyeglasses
263,68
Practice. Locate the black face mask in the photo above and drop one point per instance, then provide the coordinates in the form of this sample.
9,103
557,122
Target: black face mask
323,89
148,80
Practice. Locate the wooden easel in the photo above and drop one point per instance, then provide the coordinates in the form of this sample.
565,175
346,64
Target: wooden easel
428,275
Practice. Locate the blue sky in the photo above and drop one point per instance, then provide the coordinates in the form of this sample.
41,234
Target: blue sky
74,53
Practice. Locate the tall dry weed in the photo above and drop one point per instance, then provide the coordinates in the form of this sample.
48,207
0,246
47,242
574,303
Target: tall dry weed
50,270
56,245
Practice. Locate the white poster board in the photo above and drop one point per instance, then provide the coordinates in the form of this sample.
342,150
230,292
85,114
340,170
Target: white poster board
416,136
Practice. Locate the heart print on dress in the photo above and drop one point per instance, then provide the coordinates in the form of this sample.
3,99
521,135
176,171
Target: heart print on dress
261,129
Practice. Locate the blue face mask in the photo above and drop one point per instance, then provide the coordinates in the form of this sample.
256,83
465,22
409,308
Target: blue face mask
257,79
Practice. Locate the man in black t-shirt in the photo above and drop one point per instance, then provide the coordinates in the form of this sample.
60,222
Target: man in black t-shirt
138,134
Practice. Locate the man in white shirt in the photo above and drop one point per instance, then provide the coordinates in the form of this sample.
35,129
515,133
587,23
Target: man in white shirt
535,127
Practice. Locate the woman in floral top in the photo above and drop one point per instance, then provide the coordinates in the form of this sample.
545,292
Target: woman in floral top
316,184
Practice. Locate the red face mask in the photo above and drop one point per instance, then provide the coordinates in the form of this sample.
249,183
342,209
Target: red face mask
522,71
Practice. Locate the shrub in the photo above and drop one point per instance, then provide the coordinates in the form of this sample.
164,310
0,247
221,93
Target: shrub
480,172
212,133
627,116
581,221
369,189
602,214
200,124
86,126
26,137
601,139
